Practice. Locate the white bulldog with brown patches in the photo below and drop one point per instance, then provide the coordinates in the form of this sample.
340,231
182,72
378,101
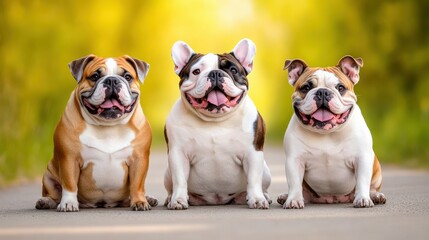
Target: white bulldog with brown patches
214,133
102,142
329,155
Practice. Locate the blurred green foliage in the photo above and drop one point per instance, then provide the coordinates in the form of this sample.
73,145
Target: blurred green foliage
38,38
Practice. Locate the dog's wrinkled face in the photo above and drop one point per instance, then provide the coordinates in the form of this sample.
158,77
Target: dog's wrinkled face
108,89
213,85
324,98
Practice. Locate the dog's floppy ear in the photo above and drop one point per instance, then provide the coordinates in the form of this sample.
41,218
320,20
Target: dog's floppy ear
181,53
295,68
245,51
77,66
350,67
142,68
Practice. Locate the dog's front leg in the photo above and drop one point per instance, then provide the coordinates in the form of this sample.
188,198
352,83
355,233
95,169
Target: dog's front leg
295,175
179,169
138,168
254,167
69,171
363,172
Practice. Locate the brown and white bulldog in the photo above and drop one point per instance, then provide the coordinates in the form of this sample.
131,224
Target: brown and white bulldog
214,133
102,142
329,155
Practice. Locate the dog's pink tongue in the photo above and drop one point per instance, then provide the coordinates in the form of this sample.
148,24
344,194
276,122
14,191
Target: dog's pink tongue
323,115
110,103
217,98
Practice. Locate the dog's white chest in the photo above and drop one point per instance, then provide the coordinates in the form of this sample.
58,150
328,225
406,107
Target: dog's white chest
330,159
216,162
217,146
107,149
215,153
329,171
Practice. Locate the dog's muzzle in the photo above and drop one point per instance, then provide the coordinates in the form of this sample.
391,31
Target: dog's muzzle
216,100
109,99
323,118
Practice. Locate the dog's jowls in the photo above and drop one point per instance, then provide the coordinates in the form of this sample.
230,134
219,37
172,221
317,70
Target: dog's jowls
101,144
214,133
328,146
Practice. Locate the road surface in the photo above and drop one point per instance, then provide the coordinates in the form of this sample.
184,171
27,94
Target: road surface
404,216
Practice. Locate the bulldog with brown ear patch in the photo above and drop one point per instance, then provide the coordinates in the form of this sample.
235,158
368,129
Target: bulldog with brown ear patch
102,142
329,155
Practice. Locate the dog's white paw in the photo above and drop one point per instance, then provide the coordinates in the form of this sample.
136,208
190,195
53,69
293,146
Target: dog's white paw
294,203
258,203
68,206
68,202
267,197
178,204
362,202
255,201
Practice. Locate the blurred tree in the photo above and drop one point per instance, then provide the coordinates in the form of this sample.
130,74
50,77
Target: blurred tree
38,38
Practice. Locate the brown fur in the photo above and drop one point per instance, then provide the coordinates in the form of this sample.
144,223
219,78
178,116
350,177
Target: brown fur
308,73
259,129
65,170
376,176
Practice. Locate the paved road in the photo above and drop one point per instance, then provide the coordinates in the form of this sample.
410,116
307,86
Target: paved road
405,216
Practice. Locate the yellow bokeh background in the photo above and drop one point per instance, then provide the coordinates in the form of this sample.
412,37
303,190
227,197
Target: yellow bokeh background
39,38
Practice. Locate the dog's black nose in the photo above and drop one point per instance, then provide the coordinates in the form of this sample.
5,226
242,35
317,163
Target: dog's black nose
111,82
113,86
322,97
324,94
216,76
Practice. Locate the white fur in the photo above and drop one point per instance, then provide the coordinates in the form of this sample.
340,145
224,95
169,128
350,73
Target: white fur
333,163
68,202
98,96
214,159
195,84
107,148
212,154
111,66
125,95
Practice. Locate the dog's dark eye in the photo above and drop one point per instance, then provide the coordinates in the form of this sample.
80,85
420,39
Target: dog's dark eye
341,88
94,77
234,70
128,77
306,88
196,71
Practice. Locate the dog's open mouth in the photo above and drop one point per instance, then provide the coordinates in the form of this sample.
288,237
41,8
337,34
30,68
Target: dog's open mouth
323,118
109,109
214,101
